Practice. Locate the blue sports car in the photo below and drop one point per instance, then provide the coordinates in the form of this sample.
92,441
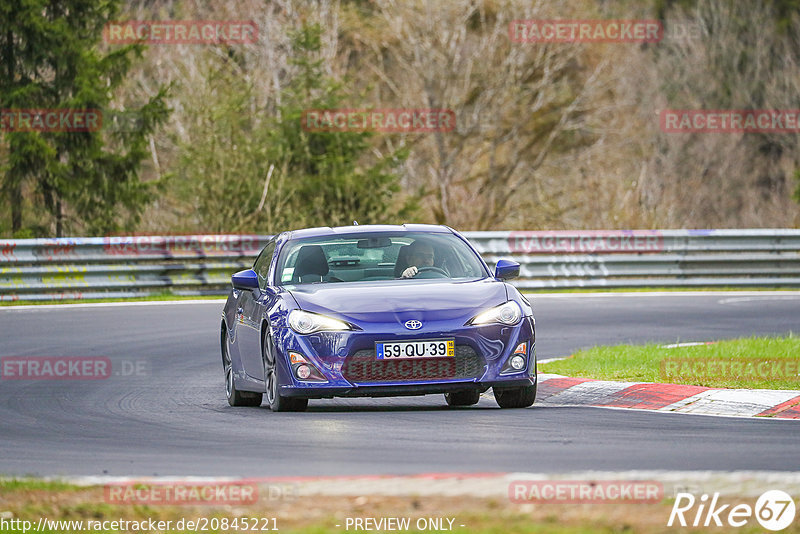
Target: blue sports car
373,311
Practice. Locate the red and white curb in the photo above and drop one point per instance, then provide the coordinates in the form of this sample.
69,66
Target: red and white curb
676,398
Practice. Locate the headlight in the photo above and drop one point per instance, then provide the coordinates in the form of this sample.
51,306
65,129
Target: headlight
509,313
304,322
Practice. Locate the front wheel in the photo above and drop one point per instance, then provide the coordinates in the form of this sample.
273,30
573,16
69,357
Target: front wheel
277,402
521,397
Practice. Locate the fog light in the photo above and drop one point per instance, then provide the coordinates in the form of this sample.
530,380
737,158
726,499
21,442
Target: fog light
517,362
303,372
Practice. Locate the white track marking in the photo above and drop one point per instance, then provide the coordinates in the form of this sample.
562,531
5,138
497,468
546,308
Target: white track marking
688,344
732,402
548,360
788,292
759,298
588,393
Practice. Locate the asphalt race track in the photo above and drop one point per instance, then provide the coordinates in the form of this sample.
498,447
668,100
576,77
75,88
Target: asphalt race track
163,412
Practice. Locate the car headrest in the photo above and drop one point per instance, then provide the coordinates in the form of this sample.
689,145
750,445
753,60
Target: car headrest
310,260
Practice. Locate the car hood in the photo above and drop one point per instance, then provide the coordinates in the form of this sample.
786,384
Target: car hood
388,301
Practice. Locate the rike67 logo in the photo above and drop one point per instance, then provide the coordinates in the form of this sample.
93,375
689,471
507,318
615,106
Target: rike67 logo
774,510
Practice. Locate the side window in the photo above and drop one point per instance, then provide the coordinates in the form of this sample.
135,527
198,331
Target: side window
261,266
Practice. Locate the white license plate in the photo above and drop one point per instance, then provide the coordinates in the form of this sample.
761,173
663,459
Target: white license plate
429,348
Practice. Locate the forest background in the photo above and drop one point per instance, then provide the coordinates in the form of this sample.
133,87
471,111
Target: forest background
207,138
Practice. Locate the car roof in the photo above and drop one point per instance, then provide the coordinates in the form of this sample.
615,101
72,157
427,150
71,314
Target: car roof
367,228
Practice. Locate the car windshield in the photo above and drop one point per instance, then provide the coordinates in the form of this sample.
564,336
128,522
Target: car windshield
377,256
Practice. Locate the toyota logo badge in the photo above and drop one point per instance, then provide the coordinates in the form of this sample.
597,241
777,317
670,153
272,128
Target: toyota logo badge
414,324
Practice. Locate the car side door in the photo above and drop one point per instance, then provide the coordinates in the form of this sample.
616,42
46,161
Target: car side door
251,306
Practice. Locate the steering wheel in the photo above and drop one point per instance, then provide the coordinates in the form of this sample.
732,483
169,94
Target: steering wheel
432,269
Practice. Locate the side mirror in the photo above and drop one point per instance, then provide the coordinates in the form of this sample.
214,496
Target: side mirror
246,280
506,270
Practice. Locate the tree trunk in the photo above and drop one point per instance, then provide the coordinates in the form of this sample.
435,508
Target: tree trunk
16,186
16,207
59,219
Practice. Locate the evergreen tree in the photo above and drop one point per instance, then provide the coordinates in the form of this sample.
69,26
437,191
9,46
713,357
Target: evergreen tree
50,60
251,168
334,185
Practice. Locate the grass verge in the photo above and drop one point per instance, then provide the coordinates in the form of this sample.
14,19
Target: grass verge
748,363
651,289
149,298
34,500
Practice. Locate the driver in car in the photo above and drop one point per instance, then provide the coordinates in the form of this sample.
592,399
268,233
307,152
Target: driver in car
420,254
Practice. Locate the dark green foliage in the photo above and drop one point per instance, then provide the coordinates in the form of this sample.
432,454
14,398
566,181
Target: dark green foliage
319,178
333,184
85,181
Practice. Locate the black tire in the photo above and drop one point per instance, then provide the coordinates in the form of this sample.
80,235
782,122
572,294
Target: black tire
515,397
235,397
466,397
277,402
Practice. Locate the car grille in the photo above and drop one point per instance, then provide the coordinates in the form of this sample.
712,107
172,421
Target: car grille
364,367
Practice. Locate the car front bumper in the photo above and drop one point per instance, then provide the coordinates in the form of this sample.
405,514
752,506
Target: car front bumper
347,361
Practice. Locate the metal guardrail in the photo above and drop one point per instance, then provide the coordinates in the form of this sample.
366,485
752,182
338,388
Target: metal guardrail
648,258
121,267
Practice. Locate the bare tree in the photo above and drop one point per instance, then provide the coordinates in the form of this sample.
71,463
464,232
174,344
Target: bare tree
548,135
518,106
737,58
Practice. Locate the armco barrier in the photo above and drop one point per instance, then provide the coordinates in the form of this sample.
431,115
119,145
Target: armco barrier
120,267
